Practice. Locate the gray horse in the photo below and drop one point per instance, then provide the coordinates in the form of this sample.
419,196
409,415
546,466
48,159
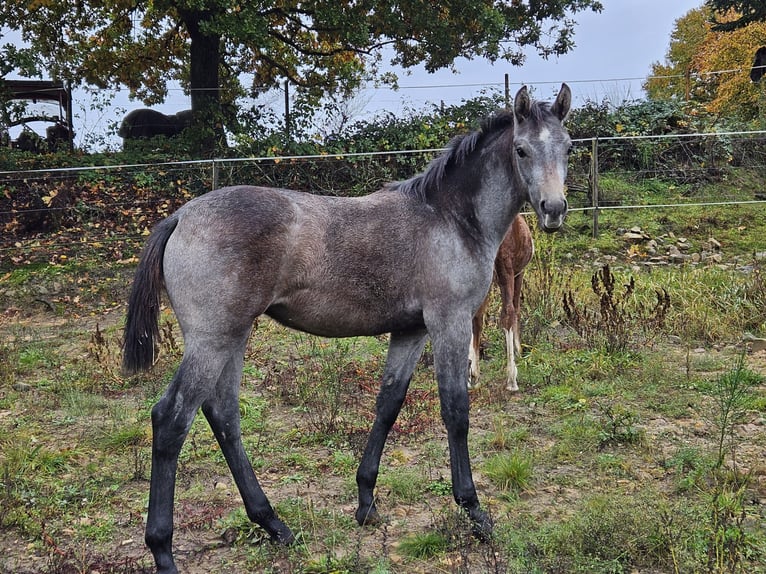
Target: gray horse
413,259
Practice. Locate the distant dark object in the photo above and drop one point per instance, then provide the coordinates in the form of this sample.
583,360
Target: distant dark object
58,137
759,65
29,141
145,123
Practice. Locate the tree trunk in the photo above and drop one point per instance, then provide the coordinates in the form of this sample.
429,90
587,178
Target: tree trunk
204,79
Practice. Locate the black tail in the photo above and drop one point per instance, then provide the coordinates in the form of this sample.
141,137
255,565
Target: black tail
142,323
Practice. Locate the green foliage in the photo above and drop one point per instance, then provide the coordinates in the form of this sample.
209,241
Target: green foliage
424,545
618,426
606,534
730,543
511,472
210,45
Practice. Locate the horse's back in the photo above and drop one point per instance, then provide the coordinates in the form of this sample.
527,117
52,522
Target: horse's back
329,266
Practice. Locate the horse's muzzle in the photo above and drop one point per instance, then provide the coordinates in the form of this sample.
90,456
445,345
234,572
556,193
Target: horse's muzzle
552,214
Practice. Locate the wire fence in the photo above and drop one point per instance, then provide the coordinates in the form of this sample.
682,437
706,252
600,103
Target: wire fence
48,213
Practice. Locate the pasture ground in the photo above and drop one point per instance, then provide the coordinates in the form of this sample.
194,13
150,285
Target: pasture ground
641,451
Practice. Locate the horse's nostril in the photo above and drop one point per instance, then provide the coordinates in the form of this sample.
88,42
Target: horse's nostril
557,207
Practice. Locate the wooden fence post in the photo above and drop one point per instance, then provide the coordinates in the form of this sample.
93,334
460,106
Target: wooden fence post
216,170
287,111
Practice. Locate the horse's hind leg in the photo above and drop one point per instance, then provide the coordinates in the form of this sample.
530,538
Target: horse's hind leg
172,417
222,413
403,354
474,351
510,292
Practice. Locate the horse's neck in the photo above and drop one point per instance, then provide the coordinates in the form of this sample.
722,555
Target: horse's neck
499,200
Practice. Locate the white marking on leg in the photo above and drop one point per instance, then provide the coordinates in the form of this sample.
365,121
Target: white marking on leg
510,346
473,359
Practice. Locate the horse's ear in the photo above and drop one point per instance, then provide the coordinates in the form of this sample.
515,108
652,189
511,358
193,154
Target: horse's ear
522,105
563,102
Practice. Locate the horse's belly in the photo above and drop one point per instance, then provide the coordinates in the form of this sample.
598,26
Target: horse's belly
346,320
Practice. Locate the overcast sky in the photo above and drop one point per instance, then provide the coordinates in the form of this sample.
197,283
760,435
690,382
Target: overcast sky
613,55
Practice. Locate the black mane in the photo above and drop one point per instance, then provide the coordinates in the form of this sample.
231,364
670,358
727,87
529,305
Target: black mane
457,151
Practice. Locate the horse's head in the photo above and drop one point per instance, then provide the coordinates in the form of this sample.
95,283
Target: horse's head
541,147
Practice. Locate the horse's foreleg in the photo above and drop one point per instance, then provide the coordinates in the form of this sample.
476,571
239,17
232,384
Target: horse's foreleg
403,353
449,363
172,417
222,413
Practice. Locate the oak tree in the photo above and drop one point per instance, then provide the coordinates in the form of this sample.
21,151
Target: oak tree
209,46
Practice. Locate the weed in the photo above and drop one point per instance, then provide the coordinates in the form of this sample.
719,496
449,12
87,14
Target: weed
732,394
504,435
405,485
729,542
319,381
618,426
135,439
606,533
168,342
612,325
754,295
511,472
544,281
440,487
9,356
424,545
691,466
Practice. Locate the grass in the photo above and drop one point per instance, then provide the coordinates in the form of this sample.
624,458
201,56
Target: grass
511,472
642,459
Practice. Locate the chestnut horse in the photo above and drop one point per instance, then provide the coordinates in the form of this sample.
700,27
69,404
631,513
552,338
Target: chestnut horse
514,254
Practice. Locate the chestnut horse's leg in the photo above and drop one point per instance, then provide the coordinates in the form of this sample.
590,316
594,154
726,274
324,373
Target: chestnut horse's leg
474,351
514,255
404,350
509,320
222,413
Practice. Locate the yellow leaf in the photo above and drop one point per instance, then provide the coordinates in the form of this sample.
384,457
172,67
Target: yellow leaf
47,199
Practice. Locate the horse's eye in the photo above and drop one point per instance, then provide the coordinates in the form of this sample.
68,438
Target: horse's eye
520,152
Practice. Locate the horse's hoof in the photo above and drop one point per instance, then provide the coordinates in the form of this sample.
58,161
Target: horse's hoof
369,517
481,526
168,570
283,535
